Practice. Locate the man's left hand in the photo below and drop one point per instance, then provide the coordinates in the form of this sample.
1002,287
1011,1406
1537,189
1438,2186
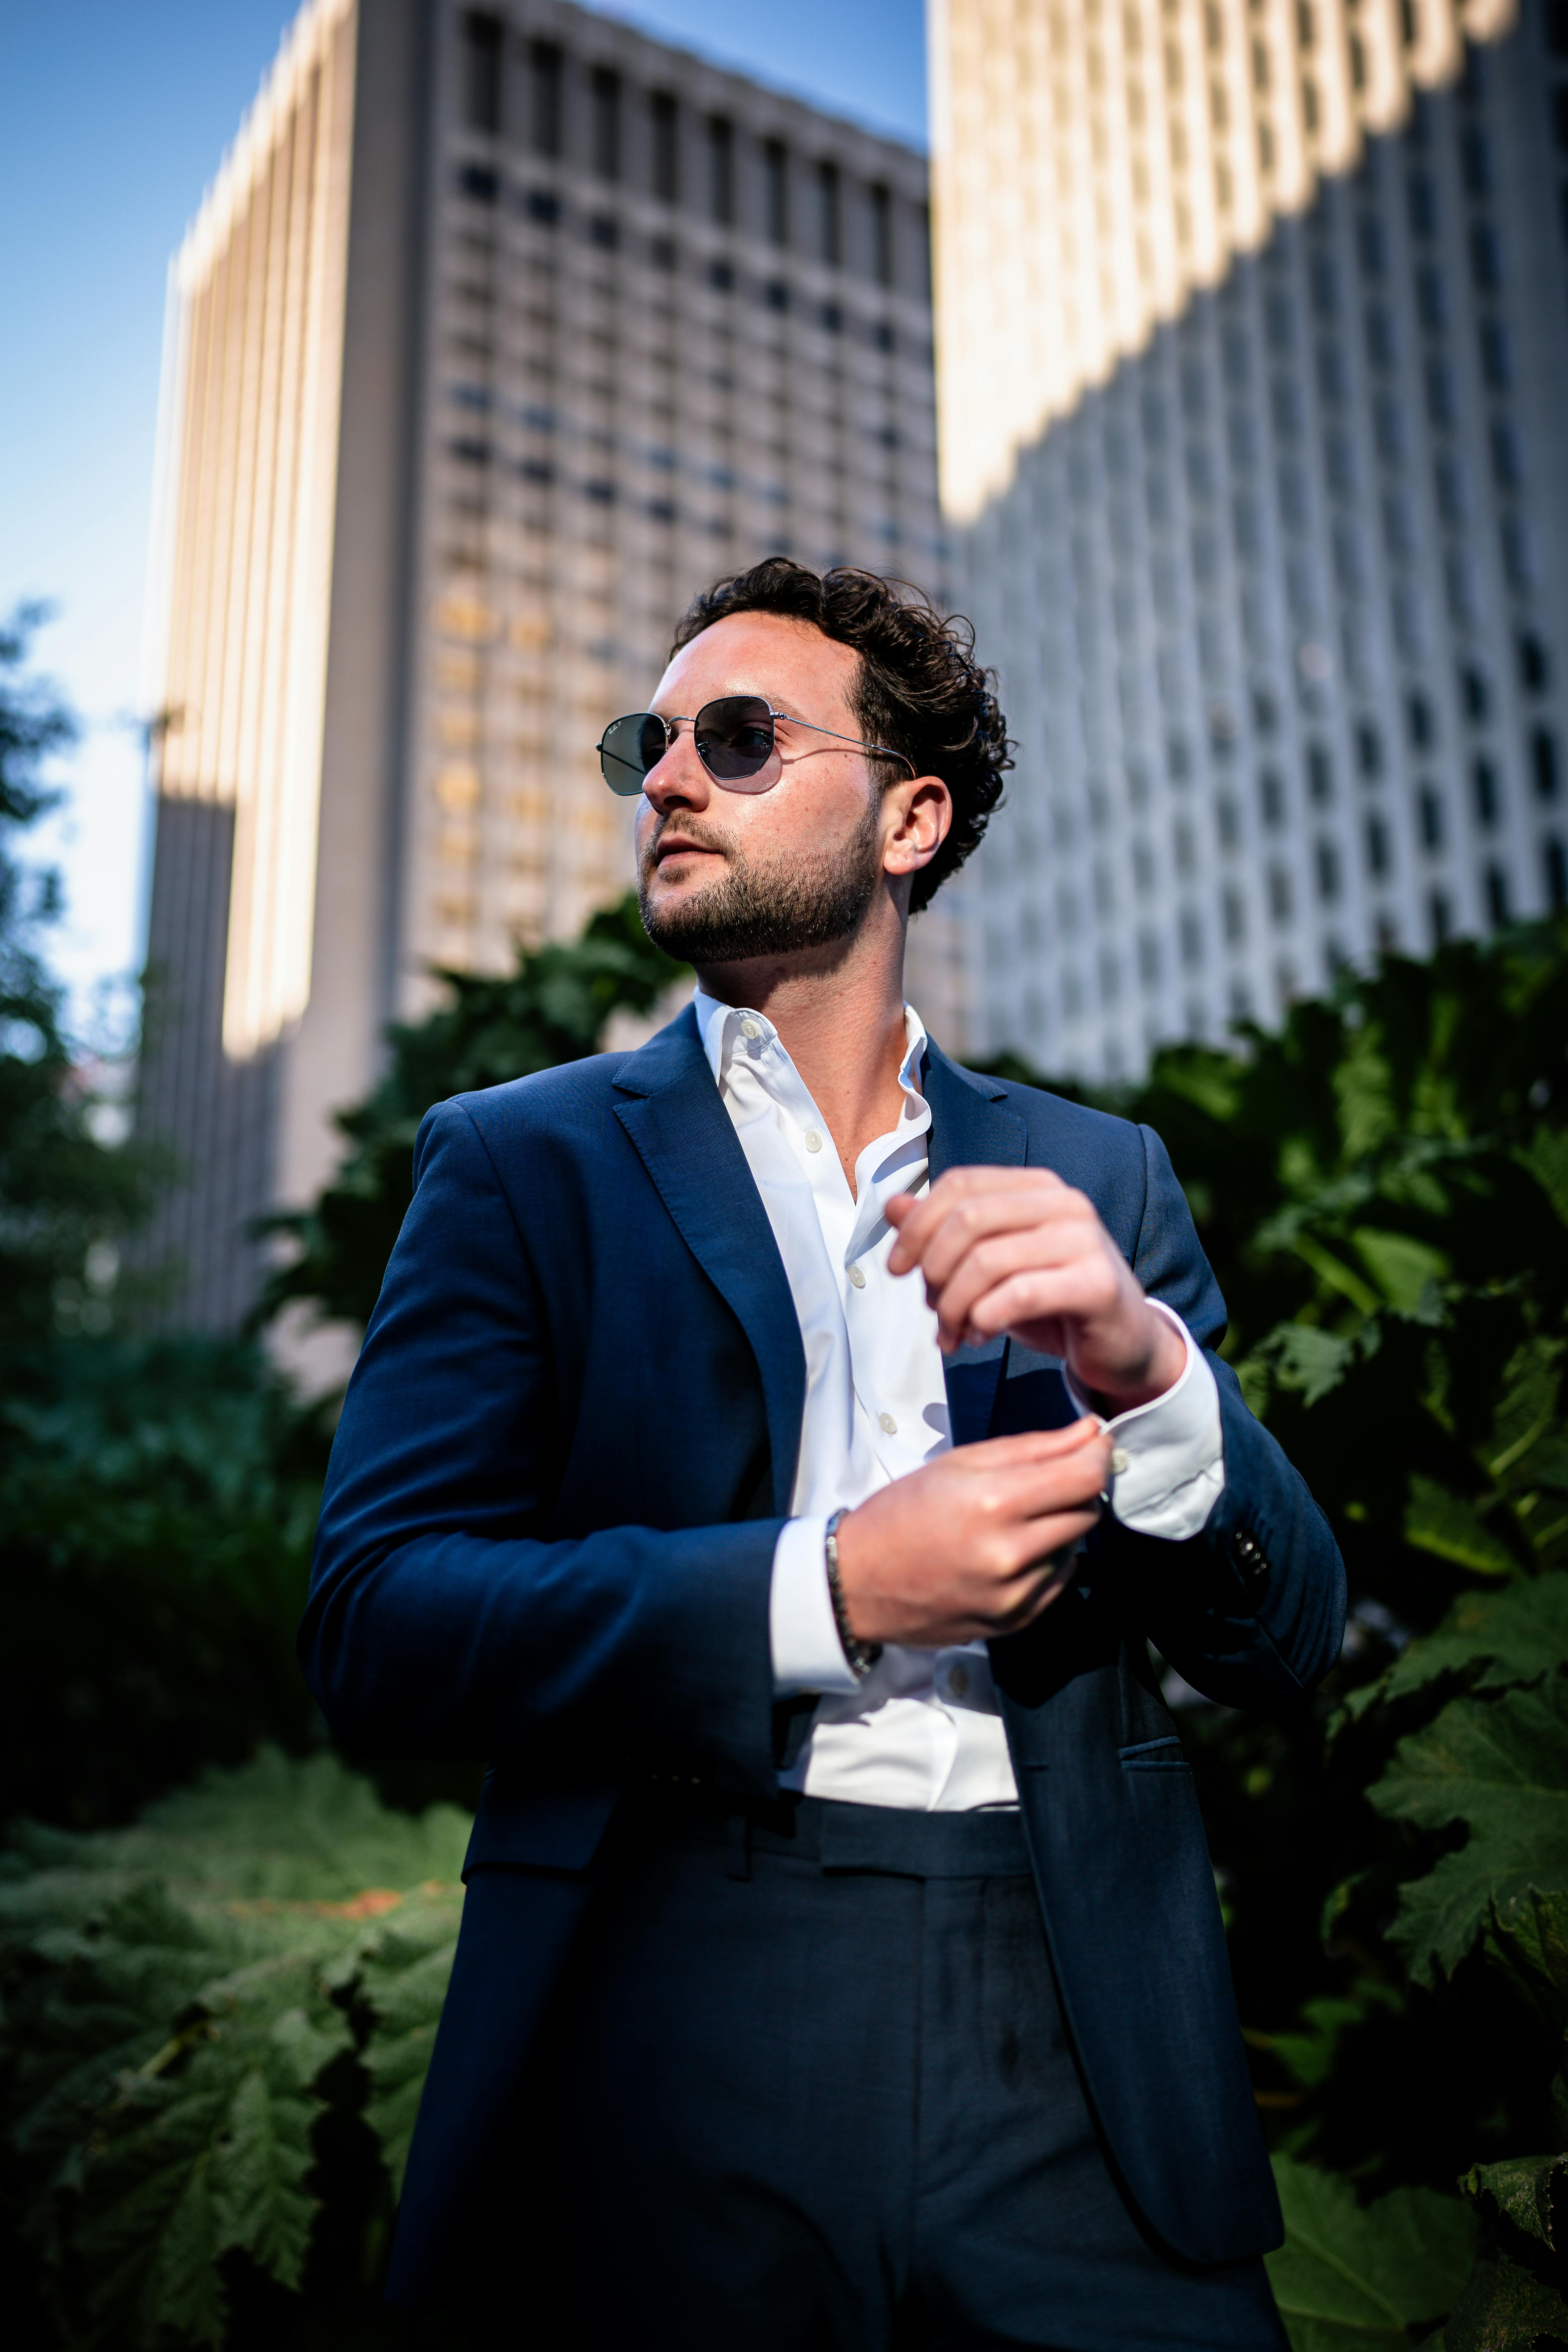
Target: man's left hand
1017,1250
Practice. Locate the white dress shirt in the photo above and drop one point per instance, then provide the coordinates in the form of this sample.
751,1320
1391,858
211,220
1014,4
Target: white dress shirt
924,1729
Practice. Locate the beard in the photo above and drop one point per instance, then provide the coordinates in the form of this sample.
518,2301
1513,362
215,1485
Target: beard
766,907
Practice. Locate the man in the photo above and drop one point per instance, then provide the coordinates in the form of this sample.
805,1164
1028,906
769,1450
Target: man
775,1449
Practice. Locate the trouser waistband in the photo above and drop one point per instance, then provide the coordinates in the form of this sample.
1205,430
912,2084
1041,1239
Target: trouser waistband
835,1836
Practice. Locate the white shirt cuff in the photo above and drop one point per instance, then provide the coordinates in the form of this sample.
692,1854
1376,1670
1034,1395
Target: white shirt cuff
1167,1471
807,1653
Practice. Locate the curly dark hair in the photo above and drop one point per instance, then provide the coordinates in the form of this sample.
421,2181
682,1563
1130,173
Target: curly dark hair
920,690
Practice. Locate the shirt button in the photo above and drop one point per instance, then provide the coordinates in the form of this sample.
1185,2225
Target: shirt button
1120,1460
857,1277
887,1422
958,1681
750,1029
813,1140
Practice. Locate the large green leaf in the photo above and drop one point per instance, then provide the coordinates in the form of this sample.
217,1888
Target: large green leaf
1500,1768
1529,2193
1357,2278
1515,1635
169,2036
1506,2308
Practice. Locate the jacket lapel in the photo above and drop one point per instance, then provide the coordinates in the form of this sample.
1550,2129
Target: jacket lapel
671,1109
972,1127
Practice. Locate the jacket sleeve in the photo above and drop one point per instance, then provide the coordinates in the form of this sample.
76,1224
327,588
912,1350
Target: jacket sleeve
1251,1610
440,1621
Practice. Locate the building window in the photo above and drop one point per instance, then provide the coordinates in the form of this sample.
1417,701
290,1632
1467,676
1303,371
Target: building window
775,192
722,169
1431,810
829,234
1279,901
1422,722
1518,551
1555,859
1380,338
1423,204
1484,787
1441,917
1192,937
1235,912
1453,488
1432,300
1271,798
1476,163
1369,749
1486,257
1496,355
479,183
1319,775
1531,663
604,93
881,204
1475,693
544,97
664,122
1497,894
1442,401
1543,763
481,72
1377,851
1327,865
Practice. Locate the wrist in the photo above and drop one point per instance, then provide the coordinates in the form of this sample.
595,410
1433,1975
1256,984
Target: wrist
860,1657
1122,1387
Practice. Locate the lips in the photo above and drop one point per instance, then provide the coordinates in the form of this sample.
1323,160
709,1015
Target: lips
684,849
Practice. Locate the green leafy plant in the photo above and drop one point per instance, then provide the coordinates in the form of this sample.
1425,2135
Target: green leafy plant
215,2028
1382,1188
552,1008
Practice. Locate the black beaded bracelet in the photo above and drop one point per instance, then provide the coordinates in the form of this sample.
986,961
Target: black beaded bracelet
861,1656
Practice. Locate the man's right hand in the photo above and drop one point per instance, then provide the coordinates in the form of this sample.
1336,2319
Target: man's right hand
977,1543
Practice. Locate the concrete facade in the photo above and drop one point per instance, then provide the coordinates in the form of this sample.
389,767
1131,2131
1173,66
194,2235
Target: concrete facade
500,333
1266,527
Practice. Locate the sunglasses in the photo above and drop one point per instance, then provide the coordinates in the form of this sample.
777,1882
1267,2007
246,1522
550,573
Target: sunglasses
734,740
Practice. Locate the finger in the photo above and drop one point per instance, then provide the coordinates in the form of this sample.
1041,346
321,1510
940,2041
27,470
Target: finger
936,1233
926,1212
990,1263
1029,1446
1018,1500
1041,1580
1077,1293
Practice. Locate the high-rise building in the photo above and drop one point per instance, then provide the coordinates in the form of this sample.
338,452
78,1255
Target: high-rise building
1253,325
500,332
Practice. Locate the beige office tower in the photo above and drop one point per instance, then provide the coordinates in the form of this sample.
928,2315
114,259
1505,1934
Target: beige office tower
1252,336
498,333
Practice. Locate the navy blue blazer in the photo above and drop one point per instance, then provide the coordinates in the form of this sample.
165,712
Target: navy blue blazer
548,1531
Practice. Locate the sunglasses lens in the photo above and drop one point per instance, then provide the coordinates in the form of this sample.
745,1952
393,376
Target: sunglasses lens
734,740
631,747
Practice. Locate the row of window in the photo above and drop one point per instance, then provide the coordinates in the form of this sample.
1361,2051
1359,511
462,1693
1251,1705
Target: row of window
540,474
482,185
522,94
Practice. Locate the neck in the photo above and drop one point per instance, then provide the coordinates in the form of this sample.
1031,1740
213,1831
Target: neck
839,1012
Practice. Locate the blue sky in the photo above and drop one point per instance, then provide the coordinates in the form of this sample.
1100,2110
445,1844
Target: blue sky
112,118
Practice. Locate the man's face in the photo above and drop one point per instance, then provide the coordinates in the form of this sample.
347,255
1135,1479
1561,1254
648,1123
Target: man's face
725,877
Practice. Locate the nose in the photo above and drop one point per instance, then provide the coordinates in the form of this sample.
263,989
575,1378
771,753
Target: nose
679,779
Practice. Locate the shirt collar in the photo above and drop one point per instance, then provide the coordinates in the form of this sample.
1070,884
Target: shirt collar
725,1031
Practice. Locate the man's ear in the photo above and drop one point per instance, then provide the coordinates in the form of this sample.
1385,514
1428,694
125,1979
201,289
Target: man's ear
920,808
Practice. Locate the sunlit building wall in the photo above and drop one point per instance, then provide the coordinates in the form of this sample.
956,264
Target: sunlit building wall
1253,321
498,333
